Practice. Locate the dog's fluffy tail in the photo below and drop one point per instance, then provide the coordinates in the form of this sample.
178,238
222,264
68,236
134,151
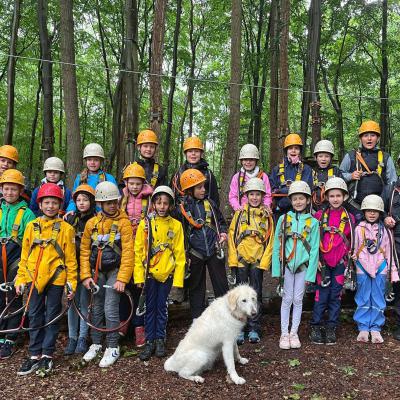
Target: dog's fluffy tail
168,365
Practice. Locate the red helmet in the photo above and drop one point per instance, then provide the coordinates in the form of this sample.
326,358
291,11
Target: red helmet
50,190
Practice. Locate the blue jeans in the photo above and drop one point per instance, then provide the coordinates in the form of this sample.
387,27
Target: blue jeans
77,327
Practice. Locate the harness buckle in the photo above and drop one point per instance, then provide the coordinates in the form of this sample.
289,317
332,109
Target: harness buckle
200,221
321,185
326,282
101,245
288,182
4,240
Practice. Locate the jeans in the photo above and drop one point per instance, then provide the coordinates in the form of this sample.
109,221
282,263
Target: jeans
77,327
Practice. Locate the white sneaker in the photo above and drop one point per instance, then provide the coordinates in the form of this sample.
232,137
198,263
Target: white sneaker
110,356
284,342
94,349
294,341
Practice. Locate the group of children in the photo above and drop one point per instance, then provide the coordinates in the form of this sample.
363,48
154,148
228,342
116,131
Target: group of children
102,242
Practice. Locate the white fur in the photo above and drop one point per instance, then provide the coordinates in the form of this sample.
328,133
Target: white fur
213,333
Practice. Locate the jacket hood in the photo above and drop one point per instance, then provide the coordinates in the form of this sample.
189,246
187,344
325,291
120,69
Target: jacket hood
146,191
201,165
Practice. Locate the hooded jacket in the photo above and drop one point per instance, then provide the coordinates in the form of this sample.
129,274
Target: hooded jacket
148,165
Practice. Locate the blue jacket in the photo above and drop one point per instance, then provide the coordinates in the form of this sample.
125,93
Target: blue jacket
283,203
301,255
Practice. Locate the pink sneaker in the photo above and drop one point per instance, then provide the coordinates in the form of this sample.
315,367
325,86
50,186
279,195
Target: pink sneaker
284,342
140,338
376,337
294,341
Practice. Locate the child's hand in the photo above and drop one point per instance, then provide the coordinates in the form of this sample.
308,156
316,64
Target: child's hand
356,175
88,283
119,286
390,222
223,238
70,295
319,266
66,215
19,289
354,257
139,285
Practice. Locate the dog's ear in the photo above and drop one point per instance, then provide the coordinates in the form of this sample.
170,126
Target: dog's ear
232,300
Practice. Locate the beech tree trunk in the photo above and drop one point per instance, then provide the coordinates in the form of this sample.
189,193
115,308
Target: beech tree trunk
385,139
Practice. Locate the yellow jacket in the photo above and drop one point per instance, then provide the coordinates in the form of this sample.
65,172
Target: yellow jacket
104,223
253,248
50,259
165,230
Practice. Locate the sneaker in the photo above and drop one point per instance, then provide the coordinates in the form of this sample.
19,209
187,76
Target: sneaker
28,366
160,348
148,350
396,334
294,341
140,338
70,347
7,349
363,336
110,356
254,337
45,365
94,349
82,346
240,339
316,335
284,342
376,337
330,335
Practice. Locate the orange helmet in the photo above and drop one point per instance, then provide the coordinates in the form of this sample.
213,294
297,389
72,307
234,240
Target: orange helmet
134,171
193,142
85,188
369,126
12,176
10,152
147,136
293,139
190,178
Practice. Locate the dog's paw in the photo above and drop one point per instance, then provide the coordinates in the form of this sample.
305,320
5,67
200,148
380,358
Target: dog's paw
197,379
243,360
238,380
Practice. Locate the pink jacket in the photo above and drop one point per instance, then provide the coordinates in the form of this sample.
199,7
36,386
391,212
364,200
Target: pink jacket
234,192
371,262
339,249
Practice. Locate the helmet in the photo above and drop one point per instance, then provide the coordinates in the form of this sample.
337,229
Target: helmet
255,184
12,176
324,146
193,142
293,139
163,189
337,183
53,164
93,150
249,151
299,187
106,191
85,188
50,190
147,136
134,171
369,126
191,177
373,202
10,152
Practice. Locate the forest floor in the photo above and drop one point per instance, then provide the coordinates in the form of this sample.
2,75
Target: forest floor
348,370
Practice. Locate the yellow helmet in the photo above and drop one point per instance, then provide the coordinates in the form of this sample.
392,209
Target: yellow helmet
191,177
193,142
147,136
293,139
12,176
10,152
134,170
369,126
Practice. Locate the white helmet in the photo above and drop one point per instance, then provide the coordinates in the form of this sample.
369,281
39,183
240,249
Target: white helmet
324,146
254,184
299,187
249,151
164,189
53,164
107,191
337,183
93,150
372,202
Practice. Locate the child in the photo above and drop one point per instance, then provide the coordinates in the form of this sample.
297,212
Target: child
135,202
205,232
194,151
147,143
373,261
78,328
289,170
250,247
93,156
54,170
159,264
248,157
47,263
324,170
14,217
334,249
295,258
8,159
106,259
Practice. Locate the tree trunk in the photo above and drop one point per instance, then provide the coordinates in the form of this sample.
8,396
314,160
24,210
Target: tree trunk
8,134
47,81
384,88
68,71
231,147
193,47
157,44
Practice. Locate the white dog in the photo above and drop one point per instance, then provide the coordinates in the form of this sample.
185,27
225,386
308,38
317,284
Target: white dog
215,331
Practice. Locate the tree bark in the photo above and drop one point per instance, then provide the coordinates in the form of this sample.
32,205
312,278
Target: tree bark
384,88
9,131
